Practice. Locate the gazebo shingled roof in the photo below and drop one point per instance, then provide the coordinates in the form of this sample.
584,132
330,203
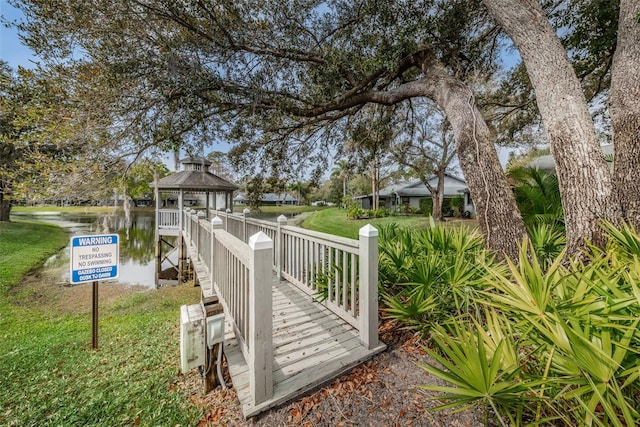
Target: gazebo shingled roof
195,181
192,179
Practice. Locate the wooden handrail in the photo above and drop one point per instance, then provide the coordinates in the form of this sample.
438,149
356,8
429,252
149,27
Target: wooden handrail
241,276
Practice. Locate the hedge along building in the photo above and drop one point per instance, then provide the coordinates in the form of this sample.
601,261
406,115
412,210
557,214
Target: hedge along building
410,193
192,186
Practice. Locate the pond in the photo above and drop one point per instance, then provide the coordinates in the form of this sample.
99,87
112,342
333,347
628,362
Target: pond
137,246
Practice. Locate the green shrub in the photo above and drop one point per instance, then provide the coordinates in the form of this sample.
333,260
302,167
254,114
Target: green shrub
457,206
538,197
426,206
379,213
427,274
547,242
356,212
557,344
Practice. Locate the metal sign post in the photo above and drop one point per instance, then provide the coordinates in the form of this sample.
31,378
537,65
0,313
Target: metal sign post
94,316
94,258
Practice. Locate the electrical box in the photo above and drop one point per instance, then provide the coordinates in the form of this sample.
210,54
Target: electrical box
192,337
215,329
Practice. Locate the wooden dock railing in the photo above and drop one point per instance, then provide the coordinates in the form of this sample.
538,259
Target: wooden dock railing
241,276
240,254
341,273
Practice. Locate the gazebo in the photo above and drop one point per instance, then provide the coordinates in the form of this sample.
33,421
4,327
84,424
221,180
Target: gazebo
194,180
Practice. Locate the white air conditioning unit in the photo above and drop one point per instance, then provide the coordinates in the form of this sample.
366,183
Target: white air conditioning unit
192,337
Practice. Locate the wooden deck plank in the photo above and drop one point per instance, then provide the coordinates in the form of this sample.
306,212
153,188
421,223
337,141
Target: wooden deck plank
288,367
317,329
315,342
309,350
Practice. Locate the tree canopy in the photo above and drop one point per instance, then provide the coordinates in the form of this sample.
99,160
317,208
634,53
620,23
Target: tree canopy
35,123
253,71
285,79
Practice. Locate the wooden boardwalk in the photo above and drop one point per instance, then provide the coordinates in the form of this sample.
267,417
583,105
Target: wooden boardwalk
311,344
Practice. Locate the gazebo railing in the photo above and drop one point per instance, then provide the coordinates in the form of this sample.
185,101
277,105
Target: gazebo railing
169,219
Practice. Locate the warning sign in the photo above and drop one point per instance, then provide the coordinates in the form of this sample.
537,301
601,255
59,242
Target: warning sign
94,258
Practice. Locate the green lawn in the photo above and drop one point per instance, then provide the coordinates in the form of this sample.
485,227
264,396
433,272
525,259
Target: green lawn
25,245
50,376
62,209
283,210
334,221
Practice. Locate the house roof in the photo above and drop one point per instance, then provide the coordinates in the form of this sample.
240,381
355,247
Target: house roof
453,186
547,163
269,197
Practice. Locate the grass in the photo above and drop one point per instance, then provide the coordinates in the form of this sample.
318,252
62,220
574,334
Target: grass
25,245
62,209
50,376
284,210
334,221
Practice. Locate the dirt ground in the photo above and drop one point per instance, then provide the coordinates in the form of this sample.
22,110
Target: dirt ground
62,297
383,392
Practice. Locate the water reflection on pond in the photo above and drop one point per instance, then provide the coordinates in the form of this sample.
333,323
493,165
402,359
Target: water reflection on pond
137,246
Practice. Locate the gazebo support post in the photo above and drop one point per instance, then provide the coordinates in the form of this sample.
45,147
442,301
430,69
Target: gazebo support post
157,236
181,248
206,208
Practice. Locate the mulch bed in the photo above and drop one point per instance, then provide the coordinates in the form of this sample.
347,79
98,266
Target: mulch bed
382,392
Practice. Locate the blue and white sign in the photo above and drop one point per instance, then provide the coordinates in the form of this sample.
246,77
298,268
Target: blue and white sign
94,258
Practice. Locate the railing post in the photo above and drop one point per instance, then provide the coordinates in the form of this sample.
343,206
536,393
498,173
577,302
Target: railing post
199,216
226,222
369,286
216,224
187,221
260,340
279,249
245,212
192,220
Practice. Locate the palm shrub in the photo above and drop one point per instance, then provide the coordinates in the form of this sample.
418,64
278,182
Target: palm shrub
623,240
482,371
427,274
560,342
547,241
538,197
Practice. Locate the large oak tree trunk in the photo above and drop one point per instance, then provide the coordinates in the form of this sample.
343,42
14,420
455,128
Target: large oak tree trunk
586,185
437,195
5,202
5,210
624,107
498,217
